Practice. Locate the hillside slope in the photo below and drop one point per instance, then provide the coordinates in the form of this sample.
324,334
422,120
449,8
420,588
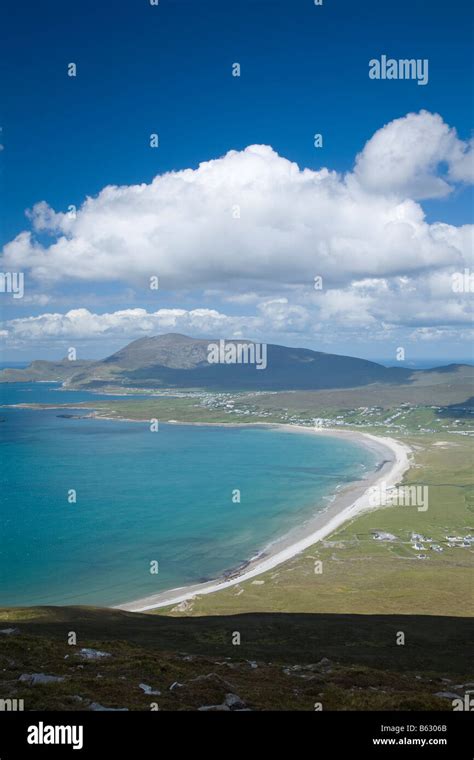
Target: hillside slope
178,361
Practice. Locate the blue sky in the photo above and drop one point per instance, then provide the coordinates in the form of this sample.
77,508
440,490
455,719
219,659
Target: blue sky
167,69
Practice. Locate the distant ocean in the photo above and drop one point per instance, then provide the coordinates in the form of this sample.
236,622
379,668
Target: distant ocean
145,497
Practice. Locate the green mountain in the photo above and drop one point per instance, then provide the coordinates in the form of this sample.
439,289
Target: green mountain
178,361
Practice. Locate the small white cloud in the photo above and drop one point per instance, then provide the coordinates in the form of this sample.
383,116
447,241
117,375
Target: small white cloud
404,158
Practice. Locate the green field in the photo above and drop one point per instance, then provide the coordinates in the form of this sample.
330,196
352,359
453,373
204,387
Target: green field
440,407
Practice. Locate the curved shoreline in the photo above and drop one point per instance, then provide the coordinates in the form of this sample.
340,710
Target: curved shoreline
348,503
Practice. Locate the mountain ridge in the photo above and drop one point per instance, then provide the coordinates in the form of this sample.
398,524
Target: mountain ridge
174,360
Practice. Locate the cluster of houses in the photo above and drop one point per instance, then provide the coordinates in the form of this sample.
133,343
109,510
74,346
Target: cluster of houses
460,542
362,416
453,542
225,402
418,542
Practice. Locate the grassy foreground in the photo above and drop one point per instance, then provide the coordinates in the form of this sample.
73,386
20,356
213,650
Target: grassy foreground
283,661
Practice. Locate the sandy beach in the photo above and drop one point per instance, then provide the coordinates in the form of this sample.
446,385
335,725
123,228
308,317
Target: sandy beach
349,502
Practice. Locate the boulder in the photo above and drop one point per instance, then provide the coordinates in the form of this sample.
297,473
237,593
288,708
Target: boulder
35,679
92,654
234,702
149,689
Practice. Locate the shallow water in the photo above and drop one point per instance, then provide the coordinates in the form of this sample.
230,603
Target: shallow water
145,497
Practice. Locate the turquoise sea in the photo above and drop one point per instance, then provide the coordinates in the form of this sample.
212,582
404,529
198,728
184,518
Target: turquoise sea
144,497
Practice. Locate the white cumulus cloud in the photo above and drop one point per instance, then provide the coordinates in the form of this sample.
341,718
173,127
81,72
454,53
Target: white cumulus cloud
253,219
248,233
405,157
